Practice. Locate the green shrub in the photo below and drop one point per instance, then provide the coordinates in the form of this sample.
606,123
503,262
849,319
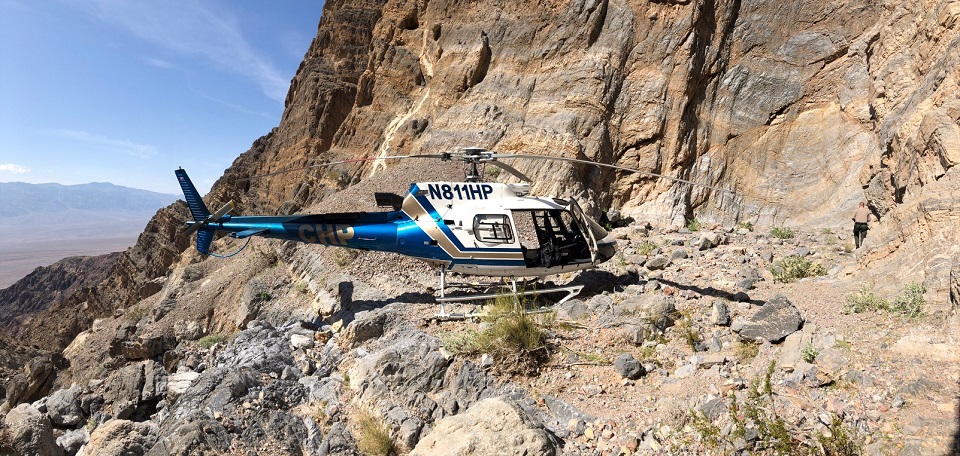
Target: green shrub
515,337
745,225
782,233
809,353
910,301
213,339
373,436
794,268
864,300
841,440
647,248
694,225
690,334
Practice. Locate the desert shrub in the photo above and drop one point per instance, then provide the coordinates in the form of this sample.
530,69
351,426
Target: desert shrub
694,225
841,440
745,225
373,436
910,301
134,314
782,233
192,273
809,353
647,248
515,337
344,257
794,268
685,328
864,300
745,351
212,339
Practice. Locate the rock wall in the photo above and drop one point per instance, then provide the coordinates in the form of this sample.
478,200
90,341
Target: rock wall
801,109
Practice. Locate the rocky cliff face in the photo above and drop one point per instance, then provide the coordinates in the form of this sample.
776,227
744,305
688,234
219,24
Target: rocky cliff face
802,110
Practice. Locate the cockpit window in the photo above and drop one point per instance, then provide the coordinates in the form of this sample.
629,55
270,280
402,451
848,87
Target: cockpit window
493,228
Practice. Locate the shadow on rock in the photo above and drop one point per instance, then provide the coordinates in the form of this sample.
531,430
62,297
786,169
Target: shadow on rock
955,446
714,292
595,282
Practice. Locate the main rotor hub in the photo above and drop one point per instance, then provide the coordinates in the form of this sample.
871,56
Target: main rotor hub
473,156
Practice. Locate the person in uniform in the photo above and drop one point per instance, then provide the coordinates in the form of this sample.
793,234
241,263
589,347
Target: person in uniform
860,218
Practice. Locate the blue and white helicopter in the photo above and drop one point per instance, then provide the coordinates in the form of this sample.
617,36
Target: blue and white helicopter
471,227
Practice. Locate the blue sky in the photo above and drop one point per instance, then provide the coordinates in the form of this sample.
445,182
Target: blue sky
125,91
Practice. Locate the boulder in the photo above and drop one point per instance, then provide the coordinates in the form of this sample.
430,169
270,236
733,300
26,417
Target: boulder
573,309
71,441
187,330
63,407
657,263
255,294
179,382
30,432
639,331
709,240
775,320
123,390
628,367
148,346
720,314
491,426
32,382
367,325
259,347
657,309
121,438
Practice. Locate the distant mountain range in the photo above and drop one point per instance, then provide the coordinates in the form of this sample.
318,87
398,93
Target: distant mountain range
18,198
43,223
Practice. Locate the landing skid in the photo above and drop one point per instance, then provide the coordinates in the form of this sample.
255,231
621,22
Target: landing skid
508,288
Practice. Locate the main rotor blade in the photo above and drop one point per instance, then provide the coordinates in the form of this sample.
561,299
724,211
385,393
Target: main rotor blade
510,170
356,160
604,165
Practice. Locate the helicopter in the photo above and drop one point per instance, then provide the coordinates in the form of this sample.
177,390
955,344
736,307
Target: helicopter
471,227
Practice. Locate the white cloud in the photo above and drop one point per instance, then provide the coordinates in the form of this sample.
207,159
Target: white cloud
194,28
160,63
15,169
117,145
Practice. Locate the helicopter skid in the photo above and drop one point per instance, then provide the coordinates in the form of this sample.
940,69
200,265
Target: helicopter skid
443,315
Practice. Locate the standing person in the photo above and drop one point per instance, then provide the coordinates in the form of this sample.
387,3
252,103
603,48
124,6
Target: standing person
860,227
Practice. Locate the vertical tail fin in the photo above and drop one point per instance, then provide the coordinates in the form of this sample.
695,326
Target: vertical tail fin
198,209
190,194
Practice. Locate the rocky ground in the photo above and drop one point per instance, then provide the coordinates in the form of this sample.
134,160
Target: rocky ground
683,343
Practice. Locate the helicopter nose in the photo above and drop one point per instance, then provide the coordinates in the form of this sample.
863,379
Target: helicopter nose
606,249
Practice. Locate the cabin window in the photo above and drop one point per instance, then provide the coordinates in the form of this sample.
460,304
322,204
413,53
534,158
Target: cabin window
493,228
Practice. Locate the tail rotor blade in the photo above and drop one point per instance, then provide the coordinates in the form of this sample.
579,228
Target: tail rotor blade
193,228
223,211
